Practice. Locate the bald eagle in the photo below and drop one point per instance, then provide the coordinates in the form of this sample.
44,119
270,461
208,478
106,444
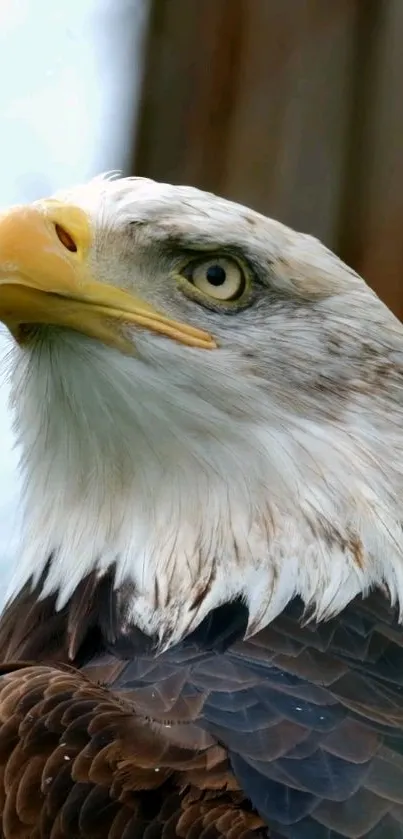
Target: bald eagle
203,636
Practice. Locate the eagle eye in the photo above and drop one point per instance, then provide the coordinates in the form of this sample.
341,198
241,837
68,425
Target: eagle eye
219,278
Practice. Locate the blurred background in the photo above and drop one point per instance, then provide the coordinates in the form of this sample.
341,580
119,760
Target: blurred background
294,107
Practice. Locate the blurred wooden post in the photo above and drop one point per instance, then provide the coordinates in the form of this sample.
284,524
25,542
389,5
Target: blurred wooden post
372,234
190,82
291,106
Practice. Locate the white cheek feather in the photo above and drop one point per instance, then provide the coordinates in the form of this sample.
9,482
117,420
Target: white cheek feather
196,505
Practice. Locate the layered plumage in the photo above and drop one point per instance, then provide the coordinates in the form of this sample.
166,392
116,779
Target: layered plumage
213,537
76,761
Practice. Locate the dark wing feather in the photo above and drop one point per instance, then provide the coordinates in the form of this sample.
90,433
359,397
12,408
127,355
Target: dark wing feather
311,716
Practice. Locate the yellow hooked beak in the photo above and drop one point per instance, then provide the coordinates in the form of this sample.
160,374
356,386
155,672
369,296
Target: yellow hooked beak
45,279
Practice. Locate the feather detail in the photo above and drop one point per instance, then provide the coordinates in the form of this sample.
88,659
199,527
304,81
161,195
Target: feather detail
300,724
76,761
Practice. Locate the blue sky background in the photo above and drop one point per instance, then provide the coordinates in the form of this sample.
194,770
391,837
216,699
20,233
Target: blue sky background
70,71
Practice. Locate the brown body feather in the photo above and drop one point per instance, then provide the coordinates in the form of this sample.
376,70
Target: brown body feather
306,720
76,761
79,760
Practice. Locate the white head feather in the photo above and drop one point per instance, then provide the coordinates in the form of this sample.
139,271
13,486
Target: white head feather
270,467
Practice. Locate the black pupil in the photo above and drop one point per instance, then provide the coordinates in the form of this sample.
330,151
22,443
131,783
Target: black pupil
216,275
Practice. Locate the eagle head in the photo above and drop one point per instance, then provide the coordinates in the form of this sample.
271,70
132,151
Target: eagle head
205,400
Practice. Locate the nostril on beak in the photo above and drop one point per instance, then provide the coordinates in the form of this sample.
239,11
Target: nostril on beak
65,238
